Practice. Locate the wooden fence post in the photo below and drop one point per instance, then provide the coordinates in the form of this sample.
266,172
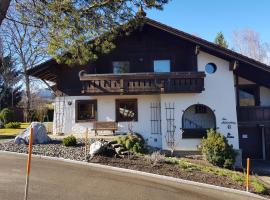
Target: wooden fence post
247,178
28,164
86,143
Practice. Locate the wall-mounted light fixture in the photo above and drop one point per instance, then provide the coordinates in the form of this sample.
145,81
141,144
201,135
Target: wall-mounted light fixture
69,103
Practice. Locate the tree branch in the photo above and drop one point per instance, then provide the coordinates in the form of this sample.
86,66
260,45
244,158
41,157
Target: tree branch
4,5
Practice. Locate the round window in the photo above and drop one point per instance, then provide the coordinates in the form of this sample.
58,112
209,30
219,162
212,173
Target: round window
210,68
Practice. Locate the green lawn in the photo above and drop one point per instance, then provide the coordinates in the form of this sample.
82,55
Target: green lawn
13,131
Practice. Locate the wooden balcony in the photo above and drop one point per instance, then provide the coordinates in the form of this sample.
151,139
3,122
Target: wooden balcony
253,114
142,83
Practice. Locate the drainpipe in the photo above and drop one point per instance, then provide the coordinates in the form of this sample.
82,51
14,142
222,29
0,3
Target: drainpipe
263,141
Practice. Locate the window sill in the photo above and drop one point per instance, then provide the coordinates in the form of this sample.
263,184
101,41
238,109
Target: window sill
126,121
85,121
194,133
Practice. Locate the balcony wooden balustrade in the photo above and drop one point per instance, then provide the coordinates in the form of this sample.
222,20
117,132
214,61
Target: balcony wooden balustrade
142,83
253,114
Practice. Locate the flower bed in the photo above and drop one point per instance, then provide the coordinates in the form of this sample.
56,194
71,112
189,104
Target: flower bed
188,169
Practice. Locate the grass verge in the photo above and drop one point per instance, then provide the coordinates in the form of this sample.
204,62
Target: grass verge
13,131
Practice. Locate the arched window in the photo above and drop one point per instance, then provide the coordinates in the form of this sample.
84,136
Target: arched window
196,120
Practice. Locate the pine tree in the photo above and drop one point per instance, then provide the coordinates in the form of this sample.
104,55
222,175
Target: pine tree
10,89
68,26
220,40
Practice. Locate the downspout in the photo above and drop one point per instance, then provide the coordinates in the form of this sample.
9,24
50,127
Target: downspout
263,141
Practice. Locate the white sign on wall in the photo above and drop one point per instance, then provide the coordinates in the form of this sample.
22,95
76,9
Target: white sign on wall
228,126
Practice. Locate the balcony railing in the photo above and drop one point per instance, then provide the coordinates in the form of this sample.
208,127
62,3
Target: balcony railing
142,83
255,114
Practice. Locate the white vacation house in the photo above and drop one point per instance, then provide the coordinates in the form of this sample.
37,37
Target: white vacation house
170,87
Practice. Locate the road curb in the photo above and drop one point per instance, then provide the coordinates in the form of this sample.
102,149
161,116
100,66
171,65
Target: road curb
145,174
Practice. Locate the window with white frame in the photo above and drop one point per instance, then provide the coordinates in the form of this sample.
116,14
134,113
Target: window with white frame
162,66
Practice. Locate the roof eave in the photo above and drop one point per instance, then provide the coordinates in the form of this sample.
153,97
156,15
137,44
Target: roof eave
208,45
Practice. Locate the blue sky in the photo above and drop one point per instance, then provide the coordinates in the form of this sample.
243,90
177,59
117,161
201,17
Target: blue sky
205,18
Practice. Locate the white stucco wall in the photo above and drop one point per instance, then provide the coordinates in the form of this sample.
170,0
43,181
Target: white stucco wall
106,112
219,95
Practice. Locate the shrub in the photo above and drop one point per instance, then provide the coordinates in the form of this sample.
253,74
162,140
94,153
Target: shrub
217,150
13,125
259,187
129,144
137,148
132,142
156,158
185,165
238,178
6,115
172,160
122,140
69,141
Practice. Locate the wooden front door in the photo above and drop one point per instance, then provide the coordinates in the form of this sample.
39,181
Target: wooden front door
250,141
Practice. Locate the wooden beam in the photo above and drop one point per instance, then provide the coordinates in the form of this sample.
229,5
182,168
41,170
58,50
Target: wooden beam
197,50
49,77
50,87
234,65
143,83
147,75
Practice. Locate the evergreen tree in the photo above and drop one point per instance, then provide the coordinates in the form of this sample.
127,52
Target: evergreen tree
220,40
68,26
10,89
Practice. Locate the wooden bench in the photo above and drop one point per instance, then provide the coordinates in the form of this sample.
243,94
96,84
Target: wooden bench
105,126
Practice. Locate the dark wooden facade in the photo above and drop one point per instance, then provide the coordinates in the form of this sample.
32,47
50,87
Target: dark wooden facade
140,49
254,131
152,41
253,115
144,46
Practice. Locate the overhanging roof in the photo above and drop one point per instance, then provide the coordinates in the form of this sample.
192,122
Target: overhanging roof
208,45
42,71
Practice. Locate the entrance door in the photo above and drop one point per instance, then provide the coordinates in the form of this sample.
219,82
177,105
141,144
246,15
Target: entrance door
250,141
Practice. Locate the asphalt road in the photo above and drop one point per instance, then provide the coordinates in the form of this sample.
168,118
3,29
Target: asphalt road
57,180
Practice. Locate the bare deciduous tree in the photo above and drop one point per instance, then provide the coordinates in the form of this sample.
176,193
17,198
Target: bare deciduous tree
4,4
39,104
248,43
27,46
